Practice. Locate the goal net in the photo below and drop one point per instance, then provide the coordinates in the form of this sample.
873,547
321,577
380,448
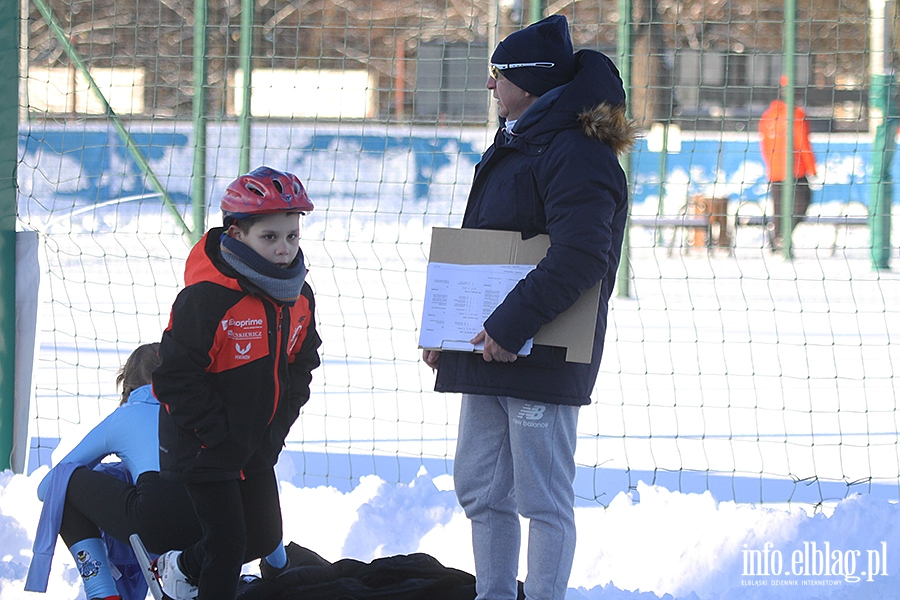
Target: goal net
728,366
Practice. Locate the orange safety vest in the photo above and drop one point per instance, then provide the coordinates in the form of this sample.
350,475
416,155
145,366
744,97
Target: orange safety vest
773,142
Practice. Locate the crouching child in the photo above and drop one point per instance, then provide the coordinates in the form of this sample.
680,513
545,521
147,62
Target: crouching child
236,363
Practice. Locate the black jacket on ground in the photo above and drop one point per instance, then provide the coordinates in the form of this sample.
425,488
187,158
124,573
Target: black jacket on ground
558,174
400,577
236,368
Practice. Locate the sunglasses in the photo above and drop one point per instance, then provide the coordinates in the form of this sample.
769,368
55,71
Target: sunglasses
497,69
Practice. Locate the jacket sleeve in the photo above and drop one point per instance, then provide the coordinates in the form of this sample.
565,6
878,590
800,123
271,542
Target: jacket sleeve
89,452
180,382
584,198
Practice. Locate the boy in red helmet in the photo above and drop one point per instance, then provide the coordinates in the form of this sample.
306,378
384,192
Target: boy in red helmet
237,358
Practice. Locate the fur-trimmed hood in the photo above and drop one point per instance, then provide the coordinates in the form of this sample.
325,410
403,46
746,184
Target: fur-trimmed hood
594,101
610,125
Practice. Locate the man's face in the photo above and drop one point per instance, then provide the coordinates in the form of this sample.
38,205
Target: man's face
275,237
512,100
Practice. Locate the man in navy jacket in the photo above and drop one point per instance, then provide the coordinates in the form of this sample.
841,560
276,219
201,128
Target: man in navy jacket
552,169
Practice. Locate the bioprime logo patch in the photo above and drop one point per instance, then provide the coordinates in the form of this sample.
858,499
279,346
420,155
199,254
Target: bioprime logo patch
243,330
241,323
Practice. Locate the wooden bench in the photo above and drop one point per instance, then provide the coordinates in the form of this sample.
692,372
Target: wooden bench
659,221
704,219
836,221
713,224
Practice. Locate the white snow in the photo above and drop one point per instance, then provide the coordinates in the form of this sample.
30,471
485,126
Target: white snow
684,545
761,379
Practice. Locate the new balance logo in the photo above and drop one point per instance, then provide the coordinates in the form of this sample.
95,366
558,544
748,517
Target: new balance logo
531,412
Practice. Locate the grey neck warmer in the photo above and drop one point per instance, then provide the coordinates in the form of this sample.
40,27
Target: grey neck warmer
283,285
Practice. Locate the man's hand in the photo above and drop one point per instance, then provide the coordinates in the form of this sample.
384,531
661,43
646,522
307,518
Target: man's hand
431,358
492,350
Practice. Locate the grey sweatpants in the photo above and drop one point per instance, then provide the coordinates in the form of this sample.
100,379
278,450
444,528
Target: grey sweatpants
518,457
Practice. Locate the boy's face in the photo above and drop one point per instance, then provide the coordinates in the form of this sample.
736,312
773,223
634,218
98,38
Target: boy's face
275,237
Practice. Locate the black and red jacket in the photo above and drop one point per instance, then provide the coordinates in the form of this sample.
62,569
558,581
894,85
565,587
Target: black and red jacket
236,367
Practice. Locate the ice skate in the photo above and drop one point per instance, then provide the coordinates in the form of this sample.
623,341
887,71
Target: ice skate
148,568
175,584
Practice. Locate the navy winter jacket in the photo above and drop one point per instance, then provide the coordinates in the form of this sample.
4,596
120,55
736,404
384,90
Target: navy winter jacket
557,174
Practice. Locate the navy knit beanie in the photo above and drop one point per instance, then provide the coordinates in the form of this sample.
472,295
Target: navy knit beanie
546,41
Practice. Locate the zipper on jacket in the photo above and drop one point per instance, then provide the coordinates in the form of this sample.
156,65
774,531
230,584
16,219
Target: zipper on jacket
279,314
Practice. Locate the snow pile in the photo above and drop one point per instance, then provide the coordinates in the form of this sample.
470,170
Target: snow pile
651,544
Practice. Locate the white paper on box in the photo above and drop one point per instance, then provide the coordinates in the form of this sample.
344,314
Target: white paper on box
460,298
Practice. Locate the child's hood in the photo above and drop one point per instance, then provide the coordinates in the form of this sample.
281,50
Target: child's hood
200,265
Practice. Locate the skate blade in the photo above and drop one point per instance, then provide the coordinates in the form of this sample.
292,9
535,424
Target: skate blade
147,568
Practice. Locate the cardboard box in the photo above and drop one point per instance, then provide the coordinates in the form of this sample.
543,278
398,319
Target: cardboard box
573,329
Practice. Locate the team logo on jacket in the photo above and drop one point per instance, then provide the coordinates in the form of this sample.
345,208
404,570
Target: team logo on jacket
530,415
241,338
296,340
243,329
242,353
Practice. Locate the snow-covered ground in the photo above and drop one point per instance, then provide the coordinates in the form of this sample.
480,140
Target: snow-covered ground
743,401
685,545
764,380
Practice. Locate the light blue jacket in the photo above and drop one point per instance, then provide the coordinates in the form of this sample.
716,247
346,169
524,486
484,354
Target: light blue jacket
129,432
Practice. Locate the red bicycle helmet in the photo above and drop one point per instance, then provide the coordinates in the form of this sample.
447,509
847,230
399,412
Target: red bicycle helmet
264,190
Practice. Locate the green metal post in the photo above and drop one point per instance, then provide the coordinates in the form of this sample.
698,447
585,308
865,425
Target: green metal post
246,121
535,10
9,131
130,145
790,69
663,160
624,51
881,190
198,187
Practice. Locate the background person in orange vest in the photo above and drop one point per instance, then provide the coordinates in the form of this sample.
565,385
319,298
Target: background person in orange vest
773,144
